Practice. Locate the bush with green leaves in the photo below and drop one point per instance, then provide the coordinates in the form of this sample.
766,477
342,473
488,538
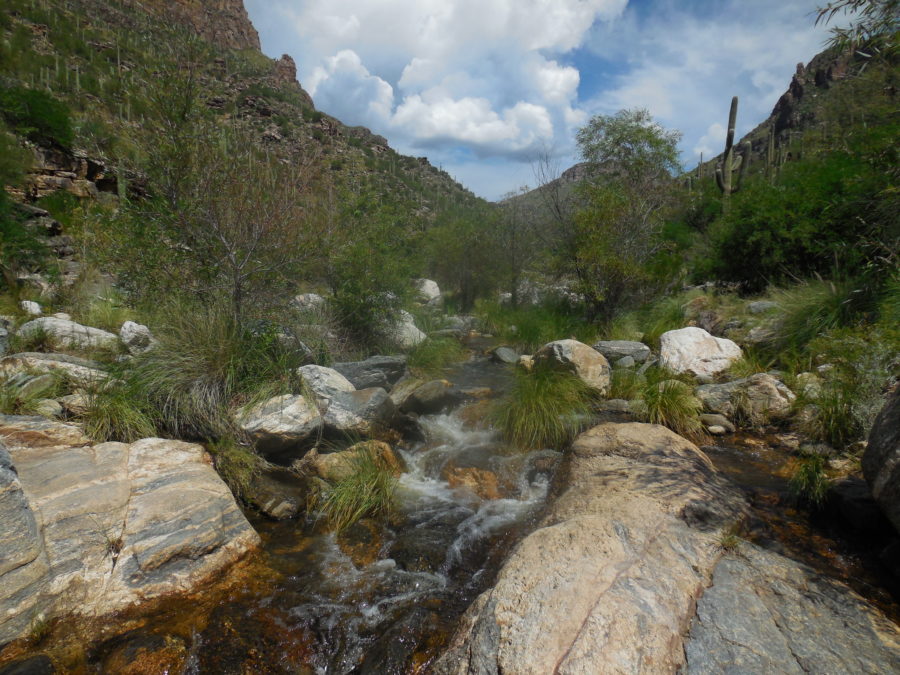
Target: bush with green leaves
544,408
368,490
37,115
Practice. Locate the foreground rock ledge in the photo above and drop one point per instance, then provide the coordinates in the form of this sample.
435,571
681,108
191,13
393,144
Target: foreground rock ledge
608,582
93,529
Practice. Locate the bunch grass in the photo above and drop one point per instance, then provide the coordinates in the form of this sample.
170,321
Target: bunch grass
369,490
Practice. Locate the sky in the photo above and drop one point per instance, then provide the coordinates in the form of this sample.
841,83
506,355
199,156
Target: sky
483,88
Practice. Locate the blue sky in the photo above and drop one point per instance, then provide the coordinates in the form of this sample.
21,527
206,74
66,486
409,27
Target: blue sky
483,87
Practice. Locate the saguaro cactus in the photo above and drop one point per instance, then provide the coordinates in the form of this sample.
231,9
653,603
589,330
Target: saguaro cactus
732,163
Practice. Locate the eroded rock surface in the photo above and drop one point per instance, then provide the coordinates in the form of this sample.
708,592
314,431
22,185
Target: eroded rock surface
693,350
69,333
758,398
765,613
376,371
608,581
80,371
99,528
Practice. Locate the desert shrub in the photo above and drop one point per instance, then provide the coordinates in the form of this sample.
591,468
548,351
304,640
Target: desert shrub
367,491
434,354
809,482
542,408
37,115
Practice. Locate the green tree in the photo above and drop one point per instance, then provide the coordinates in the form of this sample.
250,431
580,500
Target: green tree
872,30
619,254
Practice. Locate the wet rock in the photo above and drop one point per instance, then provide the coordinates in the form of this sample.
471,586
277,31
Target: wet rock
767,614
713,420
609,579
376,371
693,350
279,492
281,426
717,430
589,365
322,380
136,337
851,499
479,482
881,460
361,412
78,370
114,524
505,355
757,398
429,398
35,665
138,653
336,466
362,542
614,350
68,333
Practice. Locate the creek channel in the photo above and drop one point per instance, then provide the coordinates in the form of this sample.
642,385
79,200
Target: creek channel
377,598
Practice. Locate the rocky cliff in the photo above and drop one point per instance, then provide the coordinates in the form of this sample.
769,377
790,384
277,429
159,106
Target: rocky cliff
223,22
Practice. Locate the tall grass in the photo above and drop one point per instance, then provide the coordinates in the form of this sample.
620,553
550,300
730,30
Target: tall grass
237,465
367,491
18,398
530,327
542,408
671,402
434,354
809,481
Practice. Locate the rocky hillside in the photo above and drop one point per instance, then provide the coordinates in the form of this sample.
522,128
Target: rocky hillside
107,64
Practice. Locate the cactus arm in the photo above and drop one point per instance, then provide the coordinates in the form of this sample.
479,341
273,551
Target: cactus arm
719,180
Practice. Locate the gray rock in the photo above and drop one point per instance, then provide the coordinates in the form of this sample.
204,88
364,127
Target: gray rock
279,492
75,405
362,412
282,426
376,371
761,306
69,333
717,430
608,580
307,302
617,405
48,407
881,460
322,380
428,291
429,398
93,530
27,385
4,340
79,371
714,420
614,350
136,337
693,350
31,308
767,614
624,362
589,365
757,398
404,331
505,355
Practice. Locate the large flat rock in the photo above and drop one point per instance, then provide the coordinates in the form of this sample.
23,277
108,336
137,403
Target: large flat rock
102,527
765,613
608,581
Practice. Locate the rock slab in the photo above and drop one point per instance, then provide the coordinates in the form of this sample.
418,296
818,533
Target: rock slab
693,350
608,581
589,365
881,460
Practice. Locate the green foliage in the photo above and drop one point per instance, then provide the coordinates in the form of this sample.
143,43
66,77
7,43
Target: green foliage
542,408
433,355
670,402
37,115
626,383
809,482
367,491
236,464
873,29
36,340
529,327
119,410
750,363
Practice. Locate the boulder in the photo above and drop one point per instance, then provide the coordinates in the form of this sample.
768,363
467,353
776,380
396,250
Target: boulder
48,407
765,613
589,365
404,331
79,371
693,350
335,466
504,355
881,460
362,412
428,292
136,337
27,385
624,362
322,380
608,580
429,398
757,398
307,302
30,308
68,333
279,492
614,350
93,530
714,420
376,371
39,432
281,426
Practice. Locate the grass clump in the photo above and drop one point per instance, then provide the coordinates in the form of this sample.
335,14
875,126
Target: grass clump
542,408
236,464
20,394
435,354
751,363
626,383
368,490
670,402
119,410
37,339
528,328
809,482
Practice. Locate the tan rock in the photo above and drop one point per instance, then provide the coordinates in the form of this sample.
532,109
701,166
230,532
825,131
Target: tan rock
477,481
335,466
575,357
